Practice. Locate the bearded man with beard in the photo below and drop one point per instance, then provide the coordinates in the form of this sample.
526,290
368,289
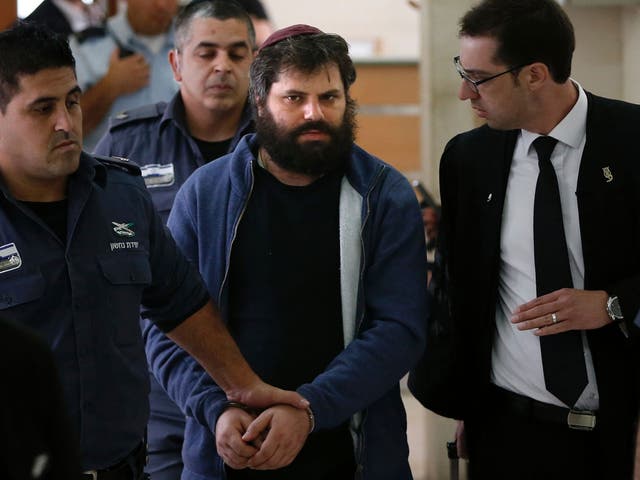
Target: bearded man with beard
315,250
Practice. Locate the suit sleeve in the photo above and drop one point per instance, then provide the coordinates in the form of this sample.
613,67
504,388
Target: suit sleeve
436,378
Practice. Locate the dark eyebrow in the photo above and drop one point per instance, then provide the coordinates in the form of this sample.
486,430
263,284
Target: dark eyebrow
333,91
75,90
475,71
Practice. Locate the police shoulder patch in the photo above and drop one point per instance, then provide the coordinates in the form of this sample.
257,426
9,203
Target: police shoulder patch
145,112
120,163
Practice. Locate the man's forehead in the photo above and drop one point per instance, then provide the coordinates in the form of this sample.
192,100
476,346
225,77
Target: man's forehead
48,82
148,5
225,33
477,52
328,74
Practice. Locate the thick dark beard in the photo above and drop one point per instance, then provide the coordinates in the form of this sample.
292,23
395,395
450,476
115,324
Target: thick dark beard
308,158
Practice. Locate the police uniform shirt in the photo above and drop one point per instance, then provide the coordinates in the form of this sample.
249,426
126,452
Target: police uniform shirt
157,138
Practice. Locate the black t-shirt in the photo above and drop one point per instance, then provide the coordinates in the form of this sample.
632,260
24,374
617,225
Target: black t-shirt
285,304
54,214
212,150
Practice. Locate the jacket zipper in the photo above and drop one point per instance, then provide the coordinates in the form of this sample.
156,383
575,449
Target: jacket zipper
359,453
233,237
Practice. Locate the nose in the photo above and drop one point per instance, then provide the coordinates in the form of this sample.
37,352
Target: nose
466,91
63,121
313,110
222,63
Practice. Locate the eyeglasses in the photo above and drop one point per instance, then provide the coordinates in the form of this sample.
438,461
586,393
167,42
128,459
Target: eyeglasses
475,83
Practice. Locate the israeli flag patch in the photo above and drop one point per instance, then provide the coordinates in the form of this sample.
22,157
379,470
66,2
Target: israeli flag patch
9,258
156,175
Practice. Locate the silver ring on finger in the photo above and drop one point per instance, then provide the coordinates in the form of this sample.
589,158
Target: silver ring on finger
554,318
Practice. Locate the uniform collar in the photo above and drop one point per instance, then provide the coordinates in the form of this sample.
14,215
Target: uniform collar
92,170
175,112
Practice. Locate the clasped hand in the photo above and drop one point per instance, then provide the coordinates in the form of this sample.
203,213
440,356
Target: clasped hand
267,441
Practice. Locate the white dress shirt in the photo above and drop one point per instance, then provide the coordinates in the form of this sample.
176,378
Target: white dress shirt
516,357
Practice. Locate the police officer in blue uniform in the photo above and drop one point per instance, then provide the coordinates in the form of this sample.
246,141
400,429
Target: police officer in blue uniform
202,122
207,116
81,248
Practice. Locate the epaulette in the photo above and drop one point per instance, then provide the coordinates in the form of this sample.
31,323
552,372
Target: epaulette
120,163
91,32
144,112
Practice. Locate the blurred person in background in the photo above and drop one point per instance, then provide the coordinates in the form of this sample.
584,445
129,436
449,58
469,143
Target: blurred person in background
126,66
430,211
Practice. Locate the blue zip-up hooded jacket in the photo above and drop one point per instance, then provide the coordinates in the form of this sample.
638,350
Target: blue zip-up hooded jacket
383,286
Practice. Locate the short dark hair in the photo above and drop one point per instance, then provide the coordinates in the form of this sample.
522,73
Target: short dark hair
27,48
255,8
527,31
218,9
304,53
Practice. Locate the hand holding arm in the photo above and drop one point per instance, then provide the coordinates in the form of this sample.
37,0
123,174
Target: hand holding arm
574,310
204,336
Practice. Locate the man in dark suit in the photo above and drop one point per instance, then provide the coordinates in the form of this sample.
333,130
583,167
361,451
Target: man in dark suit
541,256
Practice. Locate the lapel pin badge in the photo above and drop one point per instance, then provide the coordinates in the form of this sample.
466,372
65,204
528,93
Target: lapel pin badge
489,197
606,171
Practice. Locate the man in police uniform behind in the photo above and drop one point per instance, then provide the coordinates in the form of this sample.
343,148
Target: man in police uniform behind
215,44
81,248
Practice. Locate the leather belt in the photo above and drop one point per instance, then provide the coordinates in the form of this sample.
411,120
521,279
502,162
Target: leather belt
544,412
129,468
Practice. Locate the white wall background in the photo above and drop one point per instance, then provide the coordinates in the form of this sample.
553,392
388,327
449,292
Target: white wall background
631,54
389,28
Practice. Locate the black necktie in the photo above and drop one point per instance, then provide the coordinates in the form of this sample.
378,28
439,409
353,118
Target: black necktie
565,372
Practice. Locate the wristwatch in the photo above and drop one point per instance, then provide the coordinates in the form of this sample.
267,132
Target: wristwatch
613,309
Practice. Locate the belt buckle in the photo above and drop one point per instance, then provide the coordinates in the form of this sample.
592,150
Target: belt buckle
92,473
581,420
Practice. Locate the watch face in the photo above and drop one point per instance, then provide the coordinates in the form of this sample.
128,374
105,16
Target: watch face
613,306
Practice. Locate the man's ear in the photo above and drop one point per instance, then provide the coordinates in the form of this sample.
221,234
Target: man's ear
174,61
536,75
258,103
